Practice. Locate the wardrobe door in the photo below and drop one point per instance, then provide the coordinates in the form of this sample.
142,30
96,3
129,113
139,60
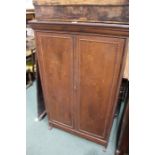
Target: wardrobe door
98,64
55,56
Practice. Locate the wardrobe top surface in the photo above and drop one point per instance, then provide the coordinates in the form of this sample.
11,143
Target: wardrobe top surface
74,23
81,2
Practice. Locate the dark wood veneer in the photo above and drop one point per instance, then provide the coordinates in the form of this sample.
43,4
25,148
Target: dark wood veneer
81,66
116,11
72,27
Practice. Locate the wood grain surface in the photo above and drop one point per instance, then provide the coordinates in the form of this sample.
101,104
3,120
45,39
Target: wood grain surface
81,2
55,56
99,60
81,67
82,10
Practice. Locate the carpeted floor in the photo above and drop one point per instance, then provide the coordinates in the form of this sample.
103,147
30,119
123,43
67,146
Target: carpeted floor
41,141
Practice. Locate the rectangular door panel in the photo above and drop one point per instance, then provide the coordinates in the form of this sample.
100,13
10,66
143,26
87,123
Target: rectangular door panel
98,63
55,56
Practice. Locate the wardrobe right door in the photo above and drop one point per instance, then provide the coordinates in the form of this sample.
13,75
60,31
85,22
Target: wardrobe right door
98,61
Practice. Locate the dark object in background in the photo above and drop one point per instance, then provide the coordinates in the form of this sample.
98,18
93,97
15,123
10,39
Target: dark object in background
30,66
30,49
29,79
30,14
122,145
123,93
123,138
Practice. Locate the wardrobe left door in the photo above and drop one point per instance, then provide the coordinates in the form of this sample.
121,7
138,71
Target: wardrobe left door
55,58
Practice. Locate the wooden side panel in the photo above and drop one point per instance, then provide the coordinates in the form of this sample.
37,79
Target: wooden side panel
55,56
99,61
40,99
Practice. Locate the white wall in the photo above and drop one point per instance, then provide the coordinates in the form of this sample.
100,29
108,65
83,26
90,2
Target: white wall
29,4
